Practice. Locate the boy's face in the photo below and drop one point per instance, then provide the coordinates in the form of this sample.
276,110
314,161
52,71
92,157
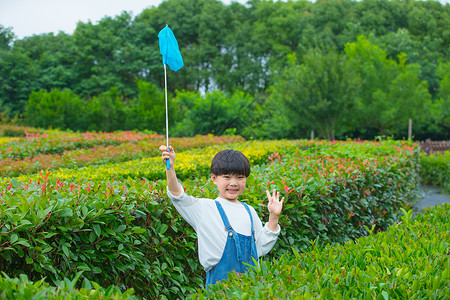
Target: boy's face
230,186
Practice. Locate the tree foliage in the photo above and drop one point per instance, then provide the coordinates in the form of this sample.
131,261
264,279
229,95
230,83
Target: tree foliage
319,93
247,48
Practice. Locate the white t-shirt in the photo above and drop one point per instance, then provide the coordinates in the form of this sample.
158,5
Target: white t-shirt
202,214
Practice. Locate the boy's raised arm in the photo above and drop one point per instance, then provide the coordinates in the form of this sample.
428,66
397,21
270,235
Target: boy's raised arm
172,181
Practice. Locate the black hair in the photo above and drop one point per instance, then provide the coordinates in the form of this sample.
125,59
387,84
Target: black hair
230,162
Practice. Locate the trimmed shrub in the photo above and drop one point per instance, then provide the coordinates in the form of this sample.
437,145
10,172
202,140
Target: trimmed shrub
126,232
22,288
435,170
120,233
409,261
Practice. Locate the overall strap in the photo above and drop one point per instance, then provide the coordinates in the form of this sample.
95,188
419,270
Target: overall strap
231,233
251,218
223,215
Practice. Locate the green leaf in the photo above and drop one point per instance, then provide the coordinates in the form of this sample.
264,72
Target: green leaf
97,229
84,210
23,242
92,237
66,212
49,235
86,283
29,260
83,267
139,230
75,223
121,228
45,250
14,238
65,250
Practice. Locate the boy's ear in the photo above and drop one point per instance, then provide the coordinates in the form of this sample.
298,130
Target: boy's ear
213,177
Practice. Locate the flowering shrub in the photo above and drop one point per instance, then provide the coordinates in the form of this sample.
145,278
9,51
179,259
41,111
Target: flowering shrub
121,233
16,131
52,142
335,192
5,140
409,261
189,163
97,155
114,223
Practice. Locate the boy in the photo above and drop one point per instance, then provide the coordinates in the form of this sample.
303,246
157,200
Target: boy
229,232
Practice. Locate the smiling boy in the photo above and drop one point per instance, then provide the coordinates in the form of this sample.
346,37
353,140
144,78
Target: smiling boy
229,232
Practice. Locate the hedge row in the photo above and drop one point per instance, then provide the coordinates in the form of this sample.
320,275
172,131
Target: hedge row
133,148
55,141
190,163
333,190
411,260
22,288
125,231
435,170
17,131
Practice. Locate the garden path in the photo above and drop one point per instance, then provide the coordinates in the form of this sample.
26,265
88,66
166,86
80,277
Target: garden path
431,196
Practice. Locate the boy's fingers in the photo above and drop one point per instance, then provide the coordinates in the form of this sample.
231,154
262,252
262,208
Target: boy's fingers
269,197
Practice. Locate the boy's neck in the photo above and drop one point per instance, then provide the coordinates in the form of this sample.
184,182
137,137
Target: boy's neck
230,200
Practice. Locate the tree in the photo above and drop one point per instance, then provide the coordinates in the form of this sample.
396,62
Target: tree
51,59
427,54
147,112
112,53
215,113
17,81
391,92
443,106
55,109
318,93
6,37
106,112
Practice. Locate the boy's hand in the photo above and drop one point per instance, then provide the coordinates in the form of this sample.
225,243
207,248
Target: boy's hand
166,155
275,205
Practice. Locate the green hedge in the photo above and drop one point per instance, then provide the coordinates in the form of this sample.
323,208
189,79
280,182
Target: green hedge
121,233
22,288
335,193
409,261
435,170
126,232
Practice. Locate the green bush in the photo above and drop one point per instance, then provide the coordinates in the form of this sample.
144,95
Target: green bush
147,112
333,190
55,109
126,232
121,233
215,112
409,261
105,112
22,288
435,170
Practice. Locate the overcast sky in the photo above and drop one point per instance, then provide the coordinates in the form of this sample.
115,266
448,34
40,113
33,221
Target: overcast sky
28,17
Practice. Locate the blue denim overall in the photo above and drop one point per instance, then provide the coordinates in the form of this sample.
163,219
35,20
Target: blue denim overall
238,249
